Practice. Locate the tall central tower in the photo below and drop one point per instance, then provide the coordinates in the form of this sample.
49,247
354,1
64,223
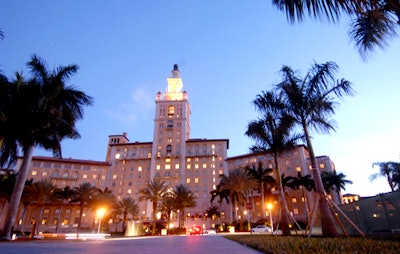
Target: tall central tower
171,131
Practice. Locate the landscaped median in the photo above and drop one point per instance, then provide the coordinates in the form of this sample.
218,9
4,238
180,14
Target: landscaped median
298,244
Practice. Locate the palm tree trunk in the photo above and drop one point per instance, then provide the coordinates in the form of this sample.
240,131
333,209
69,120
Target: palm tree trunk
262,201
284,208
327,221
17,193
59,216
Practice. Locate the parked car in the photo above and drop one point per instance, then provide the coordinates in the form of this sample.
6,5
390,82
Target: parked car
195,230
211,231
261,228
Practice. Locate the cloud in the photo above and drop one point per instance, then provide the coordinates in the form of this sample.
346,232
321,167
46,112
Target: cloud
133,109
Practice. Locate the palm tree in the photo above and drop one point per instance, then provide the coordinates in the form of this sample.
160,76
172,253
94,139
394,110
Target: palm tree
390,170
153,192
311,102
85,194
39,112
41,193
168,205
334,181
273,133
373,23
183,198
262,176
239,184
62,195
126,206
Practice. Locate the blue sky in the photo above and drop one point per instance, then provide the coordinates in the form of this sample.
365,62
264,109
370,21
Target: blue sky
228,51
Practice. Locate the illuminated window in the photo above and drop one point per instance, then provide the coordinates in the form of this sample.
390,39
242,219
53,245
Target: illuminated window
295,211
129,191
294,200
117,156
321,165
187,180
148,155
196,180
168,166
168,160
188,166
298,169
213,172
188,160
94,176
115,176
158,167
204,165
84,176
34,172
139,168
220,171
177,166
212,165
196,165
44,173
171,110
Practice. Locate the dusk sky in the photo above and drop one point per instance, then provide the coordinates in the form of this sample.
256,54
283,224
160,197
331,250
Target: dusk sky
228,51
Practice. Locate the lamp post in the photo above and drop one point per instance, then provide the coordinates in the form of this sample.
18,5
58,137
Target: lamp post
269,206
100,213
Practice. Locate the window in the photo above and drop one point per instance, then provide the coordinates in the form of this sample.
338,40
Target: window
34,172
140,168
169,149
84,176
177,166
158,167
171,110
187,180
298,169
321,165
44,173
170,124
168,166
196,180
204,165
294,200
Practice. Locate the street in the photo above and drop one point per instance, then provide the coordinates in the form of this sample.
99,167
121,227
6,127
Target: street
159,244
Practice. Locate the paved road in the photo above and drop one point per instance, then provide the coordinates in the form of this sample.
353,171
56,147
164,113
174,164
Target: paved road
149,245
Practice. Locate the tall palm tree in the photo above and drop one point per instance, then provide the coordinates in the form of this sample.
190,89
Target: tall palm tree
311,101
183,198
153,192
62,195
41,193
126,206
263,177
373,23
85,195
239,184
40,112
389,170
273,132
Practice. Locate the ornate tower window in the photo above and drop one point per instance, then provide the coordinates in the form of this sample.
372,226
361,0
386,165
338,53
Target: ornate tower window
169,150
171,111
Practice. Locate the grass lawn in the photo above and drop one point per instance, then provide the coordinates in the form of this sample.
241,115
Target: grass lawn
300,244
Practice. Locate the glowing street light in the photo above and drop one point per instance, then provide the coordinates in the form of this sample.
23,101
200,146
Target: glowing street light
269,207
100,213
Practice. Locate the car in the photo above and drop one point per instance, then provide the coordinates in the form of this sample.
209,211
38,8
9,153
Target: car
211,231
195,230
261,228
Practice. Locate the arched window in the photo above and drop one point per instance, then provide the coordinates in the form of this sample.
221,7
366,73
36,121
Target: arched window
169,149
171,110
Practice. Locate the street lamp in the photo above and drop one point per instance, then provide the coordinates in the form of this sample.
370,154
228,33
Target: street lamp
100,213
269,207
